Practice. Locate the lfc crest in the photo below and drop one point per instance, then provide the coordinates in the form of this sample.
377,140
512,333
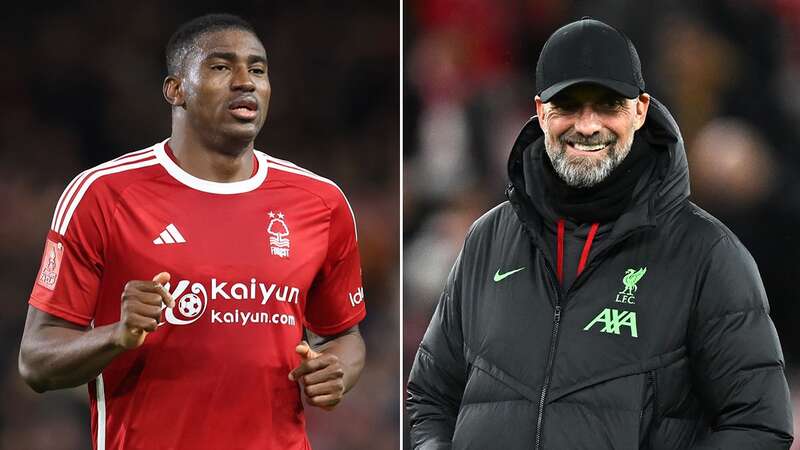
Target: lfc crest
278,231
632,276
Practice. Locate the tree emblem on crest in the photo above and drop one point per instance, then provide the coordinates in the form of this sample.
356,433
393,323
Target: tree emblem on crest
277,229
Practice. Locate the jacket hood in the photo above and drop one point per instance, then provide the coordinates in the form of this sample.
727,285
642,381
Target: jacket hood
665,190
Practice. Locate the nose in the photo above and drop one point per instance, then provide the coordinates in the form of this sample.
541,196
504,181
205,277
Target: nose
241,80
587,121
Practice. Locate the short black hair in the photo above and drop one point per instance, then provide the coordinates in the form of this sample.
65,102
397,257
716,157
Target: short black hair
187,34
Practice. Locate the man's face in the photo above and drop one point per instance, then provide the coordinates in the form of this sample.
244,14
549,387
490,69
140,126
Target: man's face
226,85
589,130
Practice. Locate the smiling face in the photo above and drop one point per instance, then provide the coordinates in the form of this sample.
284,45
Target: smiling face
222,90
588,131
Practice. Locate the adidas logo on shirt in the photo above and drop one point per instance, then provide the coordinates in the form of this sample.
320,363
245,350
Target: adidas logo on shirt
170,235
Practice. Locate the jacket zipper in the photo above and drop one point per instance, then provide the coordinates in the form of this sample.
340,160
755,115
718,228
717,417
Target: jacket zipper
557,322
549,369
653,406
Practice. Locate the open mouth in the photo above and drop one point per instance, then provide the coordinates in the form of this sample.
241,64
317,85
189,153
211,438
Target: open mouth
244,108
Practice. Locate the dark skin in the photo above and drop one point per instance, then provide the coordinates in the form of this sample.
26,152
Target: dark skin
219,103
328,368
208,139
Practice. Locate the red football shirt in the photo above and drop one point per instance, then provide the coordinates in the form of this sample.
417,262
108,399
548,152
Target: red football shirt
252,263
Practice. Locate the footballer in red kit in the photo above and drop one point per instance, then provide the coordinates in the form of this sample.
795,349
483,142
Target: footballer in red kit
182,281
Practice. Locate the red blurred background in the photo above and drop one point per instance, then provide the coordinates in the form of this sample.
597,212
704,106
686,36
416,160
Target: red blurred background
729,70
82,84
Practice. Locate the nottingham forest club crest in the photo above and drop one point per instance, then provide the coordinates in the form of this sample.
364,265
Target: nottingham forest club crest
632,276
278,235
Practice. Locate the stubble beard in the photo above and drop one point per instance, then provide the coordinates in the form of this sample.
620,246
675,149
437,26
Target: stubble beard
580,171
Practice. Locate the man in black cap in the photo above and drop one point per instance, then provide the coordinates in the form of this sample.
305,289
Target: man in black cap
599,308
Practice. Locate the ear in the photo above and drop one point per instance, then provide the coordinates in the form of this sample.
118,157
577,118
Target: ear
642,105
539,111
173,91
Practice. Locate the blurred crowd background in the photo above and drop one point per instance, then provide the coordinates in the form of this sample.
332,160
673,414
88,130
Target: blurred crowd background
82,84
729,70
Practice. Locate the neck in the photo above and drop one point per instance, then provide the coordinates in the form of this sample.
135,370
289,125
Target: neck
220,161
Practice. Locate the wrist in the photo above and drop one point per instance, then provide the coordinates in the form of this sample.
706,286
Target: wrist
115,337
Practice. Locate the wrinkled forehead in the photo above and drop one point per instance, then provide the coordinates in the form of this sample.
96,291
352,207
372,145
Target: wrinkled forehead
235,41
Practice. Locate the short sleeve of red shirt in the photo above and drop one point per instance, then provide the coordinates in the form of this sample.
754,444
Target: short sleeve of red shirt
68,281
336,300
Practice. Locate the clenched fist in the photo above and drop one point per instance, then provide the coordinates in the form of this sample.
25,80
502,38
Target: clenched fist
141,310
322,377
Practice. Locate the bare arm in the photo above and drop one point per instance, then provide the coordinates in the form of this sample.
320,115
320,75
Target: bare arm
57,354
348,347
330,367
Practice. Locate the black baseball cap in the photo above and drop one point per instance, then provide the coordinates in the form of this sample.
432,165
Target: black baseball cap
588,51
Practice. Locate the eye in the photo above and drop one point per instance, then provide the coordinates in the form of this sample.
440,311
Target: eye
219,67
612,103
566,107
257,70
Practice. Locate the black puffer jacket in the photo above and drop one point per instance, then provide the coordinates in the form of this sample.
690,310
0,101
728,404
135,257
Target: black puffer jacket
684,357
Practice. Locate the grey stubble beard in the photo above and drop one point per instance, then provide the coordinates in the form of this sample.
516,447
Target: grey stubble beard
585,171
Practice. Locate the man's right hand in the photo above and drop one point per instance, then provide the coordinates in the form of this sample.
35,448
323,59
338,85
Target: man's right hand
56,353
141,310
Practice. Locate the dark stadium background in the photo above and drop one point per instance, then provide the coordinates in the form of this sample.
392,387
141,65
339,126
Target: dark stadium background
81,84
728,69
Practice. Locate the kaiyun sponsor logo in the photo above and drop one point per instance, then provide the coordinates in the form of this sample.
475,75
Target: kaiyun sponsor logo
192,300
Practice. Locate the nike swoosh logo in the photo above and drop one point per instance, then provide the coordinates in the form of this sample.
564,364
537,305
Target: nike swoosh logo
501,276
